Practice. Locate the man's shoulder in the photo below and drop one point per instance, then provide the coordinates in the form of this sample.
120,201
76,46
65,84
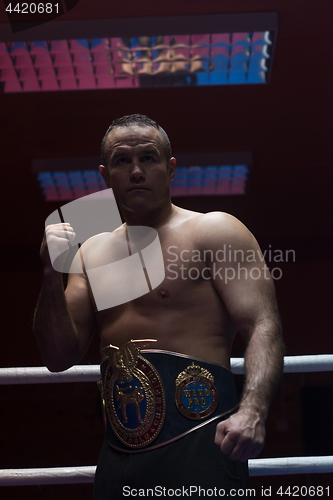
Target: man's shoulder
102,238
219,221
213,228
190,217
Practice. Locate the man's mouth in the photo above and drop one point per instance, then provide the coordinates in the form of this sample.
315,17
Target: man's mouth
138,188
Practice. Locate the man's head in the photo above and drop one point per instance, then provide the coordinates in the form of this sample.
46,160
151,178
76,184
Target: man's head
138,166
139,121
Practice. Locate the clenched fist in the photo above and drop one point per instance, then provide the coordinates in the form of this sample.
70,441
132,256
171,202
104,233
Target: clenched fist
56,244
241,436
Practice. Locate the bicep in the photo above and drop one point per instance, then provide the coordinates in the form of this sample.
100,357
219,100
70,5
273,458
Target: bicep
243,281
249,301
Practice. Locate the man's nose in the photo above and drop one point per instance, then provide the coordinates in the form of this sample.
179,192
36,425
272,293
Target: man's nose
137,171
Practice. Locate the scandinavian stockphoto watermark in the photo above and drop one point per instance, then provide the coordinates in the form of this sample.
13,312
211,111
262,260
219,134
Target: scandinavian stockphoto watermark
227,263
132,264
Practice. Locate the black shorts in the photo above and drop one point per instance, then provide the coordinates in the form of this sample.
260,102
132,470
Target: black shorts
178,469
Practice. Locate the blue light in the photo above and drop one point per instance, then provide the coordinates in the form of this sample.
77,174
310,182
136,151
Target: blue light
210,180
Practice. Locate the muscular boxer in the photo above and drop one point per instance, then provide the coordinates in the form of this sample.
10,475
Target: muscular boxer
205,298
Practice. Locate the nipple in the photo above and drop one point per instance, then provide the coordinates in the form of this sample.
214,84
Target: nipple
164,293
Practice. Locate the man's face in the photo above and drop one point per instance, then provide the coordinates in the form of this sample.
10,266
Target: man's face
137,170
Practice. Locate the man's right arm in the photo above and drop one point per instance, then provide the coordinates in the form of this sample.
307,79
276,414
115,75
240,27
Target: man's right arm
64,321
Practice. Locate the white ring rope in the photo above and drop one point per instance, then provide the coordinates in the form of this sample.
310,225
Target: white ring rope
41,375
290,465
295,364
85,474
91,373
53,475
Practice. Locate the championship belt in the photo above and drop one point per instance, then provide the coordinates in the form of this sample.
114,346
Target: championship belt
154,397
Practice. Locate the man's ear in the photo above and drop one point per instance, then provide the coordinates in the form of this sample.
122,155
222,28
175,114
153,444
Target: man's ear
105,174
172,168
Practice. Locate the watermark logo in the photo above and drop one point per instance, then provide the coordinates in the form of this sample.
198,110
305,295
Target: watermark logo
131,266
226,264
188,491
32,13
129,263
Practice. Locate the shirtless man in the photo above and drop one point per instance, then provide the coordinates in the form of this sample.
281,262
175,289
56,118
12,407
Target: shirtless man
194,317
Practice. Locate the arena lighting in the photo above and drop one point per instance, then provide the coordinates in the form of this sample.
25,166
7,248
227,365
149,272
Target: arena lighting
204,174
211,50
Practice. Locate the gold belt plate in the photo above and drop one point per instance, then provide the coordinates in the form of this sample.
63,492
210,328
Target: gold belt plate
196,395
134,395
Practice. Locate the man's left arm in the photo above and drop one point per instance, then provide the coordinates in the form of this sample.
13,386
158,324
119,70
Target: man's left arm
242,435
248,293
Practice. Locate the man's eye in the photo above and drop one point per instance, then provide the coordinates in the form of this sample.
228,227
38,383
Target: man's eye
148,158
122,160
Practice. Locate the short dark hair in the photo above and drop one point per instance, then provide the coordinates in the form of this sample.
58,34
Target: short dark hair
140,121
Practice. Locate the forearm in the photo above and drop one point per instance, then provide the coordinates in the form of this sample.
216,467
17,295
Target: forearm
263,367
54,326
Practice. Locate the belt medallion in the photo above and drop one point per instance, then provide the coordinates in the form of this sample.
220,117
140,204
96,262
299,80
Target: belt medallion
134,395
196,395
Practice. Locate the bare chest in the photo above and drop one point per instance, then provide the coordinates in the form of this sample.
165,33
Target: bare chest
173,274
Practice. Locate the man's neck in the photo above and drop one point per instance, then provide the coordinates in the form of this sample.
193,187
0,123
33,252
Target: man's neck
154,219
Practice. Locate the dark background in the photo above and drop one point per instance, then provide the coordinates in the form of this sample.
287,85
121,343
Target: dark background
287,124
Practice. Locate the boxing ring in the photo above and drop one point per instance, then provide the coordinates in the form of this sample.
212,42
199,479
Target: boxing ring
87,373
